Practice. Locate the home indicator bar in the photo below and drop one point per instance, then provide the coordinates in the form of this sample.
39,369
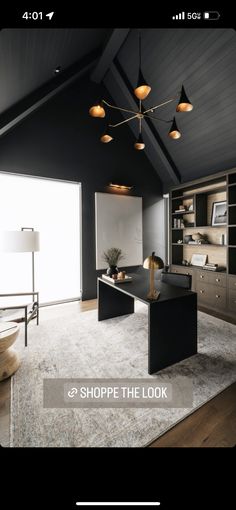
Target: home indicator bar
117,503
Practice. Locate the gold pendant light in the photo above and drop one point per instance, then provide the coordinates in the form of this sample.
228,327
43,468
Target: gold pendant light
97,110
184,104
174,132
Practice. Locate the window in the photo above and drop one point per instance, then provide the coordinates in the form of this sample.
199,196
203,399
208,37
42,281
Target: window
54,209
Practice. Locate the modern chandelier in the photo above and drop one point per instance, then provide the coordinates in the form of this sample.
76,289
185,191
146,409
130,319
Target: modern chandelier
141,92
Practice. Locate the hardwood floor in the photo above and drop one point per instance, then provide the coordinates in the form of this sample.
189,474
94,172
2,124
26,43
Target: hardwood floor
213,425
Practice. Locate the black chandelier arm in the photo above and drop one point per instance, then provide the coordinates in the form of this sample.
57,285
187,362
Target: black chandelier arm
118,107
123,121
161,104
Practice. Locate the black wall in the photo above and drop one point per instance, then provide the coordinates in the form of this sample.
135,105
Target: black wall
61,141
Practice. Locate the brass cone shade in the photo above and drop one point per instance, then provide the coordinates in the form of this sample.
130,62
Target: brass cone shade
97,111
139,144
174,132
184,103
143,89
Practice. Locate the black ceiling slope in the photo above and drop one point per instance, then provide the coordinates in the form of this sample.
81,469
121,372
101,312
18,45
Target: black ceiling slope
28,57
205,61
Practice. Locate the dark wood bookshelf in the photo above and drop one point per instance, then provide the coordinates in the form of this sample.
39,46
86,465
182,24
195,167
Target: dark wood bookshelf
216,288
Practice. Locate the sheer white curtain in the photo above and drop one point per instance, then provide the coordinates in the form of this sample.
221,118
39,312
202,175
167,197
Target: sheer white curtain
54,209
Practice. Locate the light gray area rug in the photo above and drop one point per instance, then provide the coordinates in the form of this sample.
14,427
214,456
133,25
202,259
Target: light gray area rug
80,346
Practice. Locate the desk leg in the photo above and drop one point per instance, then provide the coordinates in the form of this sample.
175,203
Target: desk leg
112,302
172,332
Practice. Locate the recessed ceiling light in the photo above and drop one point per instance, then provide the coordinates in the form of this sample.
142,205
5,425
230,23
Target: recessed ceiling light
57,70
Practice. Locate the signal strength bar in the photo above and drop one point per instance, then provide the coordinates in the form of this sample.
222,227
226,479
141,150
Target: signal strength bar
181,15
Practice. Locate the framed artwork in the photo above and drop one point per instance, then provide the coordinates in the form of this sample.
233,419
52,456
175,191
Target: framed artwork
119,223
198,259
219,214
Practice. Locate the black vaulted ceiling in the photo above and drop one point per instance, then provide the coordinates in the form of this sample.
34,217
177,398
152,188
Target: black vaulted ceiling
204,60
28,57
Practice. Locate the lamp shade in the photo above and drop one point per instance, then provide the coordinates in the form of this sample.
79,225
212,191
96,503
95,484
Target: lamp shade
19,241
153,262
174,132
184,104
143,89
97,110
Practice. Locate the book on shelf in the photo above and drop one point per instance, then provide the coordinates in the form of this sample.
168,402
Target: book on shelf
118,280
210,266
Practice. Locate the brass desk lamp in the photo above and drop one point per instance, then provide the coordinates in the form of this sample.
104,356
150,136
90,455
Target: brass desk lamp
153,263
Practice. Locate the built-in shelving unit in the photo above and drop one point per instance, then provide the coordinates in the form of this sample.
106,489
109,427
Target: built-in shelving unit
232,223
191,208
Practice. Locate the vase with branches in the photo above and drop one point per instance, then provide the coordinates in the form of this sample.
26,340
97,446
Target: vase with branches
112,256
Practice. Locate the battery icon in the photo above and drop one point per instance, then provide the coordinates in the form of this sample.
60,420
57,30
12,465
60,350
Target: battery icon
211,15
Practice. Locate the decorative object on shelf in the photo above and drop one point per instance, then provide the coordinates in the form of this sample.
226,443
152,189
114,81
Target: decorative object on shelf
219,214
153,263
112,257
180,241
188,224
222,239
141,92
190,207
198,259
188,238
200,238
185,263
182,207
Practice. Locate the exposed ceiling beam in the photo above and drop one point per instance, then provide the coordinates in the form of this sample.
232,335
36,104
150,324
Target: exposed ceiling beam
14,115
118,89
110,51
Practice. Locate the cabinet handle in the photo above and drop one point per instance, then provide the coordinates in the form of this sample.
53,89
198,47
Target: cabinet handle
201,276
217,279
202,291
217,296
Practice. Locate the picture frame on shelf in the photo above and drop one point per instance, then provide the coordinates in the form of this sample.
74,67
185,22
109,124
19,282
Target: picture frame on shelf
198,259
219,214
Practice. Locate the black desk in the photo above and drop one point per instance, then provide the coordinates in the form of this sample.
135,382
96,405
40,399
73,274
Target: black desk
172,319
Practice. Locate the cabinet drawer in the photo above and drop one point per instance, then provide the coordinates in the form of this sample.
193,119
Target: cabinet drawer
202,276
210,295
219,298
232,300
213,278
203,293
217,279
232,282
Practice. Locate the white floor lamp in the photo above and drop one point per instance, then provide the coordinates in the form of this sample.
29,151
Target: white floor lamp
24,240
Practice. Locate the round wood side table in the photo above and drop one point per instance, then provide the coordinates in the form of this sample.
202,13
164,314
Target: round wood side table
9,359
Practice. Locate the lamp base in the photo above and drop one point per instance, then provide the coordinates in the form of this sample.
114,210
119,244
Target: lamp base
153,295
